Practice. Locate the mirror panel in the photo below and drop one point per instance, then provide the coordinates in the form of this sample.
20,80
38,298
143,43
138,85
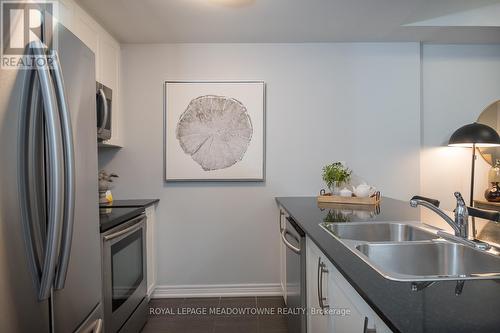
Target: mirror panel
491,117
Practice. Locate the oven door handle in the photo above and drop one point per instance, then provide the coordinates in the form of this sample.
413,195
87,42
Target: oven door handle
105,116
129,229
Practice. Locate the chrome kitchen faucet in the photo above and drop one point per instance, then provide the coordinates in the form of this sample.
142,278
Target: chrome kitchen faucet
460,224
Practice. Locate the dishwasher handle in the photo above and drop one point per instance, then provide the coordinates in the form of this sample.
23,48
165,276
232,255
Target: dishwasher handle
279,220
284,233
292,247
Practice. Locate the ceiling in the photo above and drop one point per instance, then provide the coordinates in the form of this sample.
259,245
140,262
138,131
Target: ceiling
291,21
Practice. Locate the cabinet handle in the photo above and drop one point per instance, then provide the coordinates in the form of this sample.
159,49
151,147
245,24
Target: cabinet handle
366,329
321,299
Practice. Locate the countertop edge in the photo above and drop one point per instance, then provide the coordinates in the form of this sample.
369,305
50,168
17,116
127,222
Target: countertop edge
130,203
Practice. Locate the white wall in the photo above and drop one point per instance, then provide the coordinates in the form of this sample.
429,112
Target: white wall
358,103
459,81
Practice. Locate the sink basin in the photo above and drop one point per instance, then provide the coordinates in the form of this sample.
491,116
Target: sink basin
430,261
378,232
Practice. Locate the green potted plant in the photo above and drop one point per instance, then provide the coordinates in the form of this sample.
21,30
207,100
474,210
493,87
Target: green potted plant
335,176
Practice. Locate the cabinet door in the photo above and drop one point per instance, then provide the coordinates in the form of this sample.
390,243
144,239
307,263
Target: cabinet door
344,316
151,249
87,30
345,310
317,321
343,298
108,53
109,57
65,14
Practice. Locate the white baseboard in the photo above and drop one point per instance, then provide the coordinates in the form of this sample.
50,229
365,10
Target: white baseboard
217,290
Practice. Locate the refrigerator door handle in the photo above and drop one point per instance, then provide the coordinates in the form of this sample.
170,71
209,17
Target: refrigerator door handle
30,121
55,169
69,173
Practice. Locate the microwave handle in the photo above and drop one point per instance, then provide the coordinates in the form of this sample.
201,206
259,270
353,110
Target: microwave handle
106,111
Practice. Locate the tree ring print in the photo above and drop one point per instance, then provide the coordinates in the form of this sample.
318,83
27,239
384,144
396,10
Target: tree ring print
215,131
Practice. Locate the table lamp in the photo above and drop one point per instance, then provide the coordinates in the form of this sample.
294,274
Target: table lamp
474,136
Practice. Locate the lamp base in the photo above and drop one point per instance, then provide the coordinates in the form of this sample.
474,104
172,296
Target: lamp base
492,194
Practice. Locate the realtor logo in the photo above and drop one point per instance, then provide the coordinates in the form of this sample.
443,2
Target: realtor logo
23,22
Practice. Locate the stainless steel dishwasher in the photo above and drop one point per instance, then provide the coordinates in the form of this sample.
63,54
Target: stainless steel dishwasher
295,240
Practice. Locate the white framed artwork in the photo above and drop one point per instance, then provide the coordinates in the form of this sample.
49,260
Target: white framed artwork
214,130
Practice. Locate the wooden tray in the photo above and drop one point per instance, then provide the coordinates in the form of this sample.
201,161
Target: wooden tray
329,198
355,207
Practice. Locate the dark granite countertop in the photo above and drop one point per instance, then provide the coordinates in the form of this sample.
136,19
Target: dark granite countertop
131,203
110,217
434,309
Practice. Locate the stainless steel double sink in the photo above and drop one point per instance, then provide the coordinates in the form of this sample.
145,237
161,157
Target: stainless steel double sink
412,251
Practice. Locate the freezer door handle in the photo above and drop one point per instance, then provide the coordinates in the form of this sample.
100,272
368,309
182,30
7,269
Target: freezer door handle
69,173
55,166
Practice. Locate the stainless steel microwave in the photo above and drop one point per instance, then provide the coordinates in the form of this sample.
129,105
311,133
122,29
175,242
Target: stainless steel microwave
104,102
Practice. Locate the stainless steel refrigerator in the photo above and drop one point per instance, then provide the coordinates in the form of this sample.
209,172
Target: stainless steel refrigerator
50,266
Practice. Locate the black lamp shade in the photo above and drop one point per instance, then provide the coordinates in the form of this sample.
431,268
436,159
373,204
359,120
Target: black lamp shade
476,134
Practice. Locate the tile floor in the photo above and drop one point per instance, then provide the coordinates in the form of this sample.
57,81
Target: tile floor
170,315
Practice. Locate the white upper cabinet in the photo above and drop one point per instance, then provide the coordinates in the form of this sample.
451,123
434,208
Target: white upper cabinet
109,61
65,13
107,56
82,25
108,52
